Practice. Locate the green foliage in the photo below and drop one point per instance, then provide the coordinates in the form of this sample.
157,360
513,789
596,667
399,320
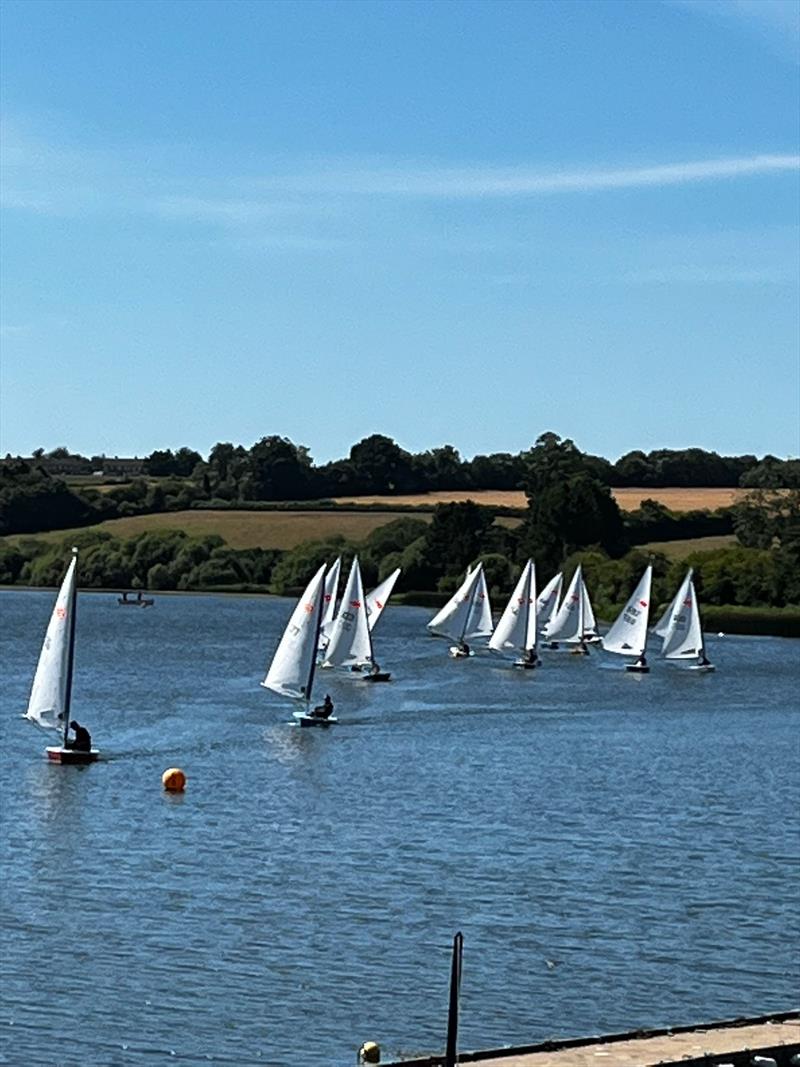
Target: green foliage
31,500
652,521
296,567
568,507
458,533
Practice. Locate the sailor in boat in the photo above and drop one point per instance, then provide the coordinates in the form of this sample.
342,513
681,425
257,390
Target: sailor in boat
82,741
461,649
530,659
323,710
580,649
640,664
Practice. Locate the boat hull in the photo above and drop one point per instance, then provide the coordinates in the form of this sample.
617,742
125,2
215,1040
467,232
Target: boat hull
634,668
73,756
301,719
380,676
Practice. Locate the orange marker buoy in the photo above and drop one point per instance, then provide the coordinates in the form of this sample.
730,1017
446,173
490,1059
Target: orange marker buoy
174,780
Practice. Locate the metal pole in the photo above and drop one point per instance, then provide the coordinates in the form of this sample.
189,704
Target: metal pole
452,1012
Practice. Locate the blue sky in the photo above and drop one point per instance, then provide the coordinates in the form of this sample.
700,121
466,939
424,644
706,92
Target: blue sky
461,223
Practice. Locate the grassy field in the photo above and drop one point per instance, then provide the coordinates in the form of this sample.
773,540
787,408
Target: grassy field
682,549
628,499
285,529
242,529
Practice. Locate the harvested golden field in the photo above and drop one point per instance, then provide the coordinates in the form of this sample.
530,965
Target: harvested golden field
243,529
628,499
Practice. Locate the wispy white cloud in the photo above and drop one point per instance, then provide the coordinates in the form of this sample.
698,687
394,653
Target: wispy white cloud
776,22
487,182
221,210
44,177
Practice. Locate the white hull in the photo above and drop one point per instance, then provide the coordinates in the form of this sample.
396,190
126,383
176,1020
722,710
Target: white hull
59,754
303,718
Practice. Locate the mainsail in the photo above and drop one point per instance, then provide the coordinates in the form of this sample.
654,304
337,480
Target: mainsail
628,634
48,705
377,599
517,626
589,621
547,602
684,637
329,596
568,623
350,640
467,613
479,620
291,672
662,626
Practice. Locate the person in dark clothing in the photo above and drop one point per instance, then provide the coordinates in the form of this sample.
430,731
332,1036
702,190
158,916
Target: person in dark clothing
82,742
325,709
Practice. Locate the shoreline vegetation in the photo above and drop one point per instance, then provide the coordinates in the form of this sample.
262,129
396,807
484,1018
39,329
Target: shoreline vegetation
724,619
161,533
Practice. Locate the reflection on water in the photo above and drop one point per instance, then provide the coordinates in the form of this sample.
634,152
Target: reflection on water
616,848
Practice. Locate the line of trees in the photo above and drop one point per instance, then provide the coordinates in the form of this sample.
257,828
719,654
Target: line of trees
274,468
571,515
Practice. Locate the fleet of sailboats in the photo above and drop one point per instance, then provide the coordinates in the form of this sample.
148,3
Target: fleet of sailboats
350,635
347,642
573,623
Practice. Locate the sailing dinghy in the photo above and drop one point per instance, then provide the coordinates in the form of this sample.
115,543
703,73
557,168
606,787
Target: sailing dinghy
628,634
291,673
466,615
683,633
569,623
329,605
547,603
51,693
350,637
378,598
516,629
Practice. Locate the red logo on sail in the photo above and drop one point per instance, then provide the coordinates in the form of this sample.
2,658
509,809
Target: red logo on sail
643,603
355,603
61,613
310,607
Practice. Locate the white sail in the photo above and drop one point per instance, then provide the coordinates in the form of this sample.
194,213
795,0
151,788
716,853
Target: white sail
662,626
628,634
684,638
48,699
453,618
377,599
547,602
479,619
589,621
567,624
291,672
329,596
516,629
350,640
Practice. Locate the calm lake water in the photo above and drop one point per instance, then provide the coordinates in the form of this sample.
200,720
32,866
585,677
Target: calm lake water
301,896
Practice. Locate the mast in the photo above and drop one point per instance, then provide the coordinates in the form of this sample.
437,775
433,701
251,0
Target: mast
532,611
73,605
469,609
580,608
320,606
